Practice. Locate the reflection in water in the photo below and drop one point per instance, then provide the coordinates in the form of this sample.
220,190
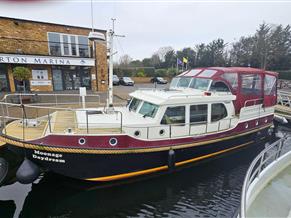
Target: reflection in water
210,188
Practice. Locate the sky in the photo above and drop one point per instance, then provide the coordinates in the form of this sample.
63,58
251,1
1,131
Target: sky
149,25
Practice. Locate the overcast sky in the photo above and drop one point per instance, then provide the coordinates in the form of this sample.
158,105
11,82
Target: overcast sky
149,25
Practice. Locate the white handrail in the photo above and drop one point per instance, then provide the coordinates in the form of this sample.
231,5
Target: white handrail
256,167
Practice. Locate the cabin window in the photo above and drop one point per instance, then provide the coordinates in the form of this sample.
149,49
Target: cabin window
207,73
251,84
200,83
148,109
174,82
270,85
219,86
193,72
198,113
134,104
218,112
174,115
232,78
184,82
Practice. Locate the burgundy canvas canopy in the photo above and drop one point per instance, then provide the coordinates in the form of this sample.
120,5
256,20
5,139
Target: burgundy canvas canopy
250,85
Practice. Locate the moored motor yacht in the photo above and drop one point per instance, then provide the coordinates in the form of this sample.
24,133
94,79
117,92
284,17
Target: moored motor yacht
206,112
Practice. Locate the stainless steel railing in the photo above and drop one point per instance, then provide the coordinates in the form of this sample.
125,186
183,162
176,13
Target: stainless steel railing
45,111
267,156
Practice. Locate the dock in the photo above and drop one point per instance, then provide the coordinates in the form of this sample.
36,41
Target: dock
283,107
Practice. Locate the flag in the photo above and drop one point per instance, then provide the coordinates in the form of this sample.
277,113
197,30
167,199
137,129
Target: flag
179,62
185,60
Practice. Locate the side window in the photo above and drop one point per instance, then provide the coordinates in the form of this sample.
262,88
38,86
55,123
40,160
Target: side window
174,115
198,113
134,104
251,84
219,86
270,85
232,78
218,112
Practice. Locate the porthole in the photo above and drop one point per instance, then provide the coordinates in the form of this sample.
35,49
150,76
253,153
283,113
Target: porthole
246,125
162,132
137,133
257,123
113,141
82,141
266,120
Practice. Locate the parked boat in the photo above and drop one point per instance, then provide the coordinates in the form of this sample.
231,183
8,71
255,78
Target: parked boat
206,112
267,186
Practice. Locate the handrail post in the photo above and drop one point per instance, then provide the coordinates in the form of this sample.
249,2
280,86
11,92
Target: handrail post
189,129
56,99
121,121
170,132
279,149
87,124
49,120
261,162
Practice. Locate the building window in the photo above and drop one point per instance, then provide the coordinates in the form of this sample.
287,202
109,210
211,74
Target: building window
83,46
54,44
71,78
174,115
198,113
218,112
4,84
68,45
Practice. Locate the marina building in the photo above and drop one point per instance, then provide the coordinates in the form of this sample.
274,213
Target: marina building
59,57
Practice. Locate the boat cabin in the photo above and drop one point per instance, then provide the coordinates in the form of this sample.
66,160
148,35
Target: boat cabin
177,113
250,85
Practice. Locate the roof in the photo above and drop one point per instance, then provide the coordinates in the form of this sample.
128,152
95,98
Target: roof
50,23
249,70
186,96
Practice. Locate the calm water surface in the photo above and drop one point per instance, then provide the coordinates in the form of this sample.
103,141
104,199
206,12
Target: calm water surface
208,189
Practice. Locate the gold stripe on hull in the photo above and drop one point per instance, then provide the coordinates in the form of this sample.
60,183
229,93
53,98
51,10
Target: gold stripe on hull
157,169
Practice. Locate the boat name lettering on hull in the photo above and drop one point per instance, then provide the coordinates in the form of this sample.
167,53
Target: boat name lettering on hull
45,156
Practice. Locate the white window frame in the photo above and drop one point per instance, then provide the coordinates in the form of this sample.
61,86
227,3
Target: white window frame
69,41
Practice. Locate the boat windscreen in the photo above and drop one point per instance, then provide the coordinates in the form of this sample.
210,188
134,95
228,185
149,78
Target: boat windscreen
200,83
148,109
174,82
134,104
184,82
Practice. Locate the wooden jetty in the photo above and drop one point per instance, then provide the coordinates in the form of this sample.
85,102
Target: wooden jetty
283,107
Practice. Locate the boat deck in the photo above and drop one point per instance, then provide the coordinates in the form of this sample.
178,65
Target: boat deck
284,111
61,121
274,199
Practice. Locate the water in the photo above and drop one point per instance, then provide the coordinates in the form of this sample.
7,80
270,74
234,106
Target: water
208,189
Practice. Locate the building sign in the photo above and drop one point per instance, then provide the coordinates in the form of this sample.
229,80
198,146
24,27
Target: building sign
45,60
40,82
39,74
